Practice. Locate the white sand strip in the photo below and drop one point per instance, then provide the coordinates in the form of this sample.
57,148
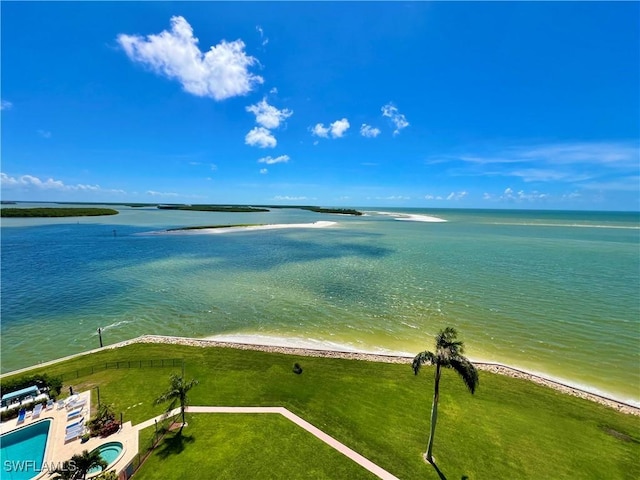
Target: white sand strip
275,226
413,217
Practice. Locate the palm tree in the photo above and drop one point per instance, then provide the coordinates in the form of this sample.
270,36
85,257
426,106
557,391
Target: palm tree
86,461
448,354
79,465
177,392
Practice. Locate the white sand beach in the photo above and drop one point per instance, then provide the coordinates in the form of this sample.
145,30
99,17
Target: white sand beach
275,226
411,217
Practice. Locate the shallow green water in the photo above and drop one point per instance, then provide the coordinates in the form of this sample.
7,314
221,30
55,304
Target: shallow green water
552,292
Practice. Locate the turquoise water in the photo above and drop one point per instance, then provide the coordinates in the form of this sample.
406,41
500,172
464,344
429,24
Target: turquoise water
109,453
22,451
556,293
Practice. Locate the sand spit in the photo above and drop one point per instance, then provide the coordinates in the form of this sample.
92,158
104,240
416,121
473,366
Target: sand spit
275,226
411,217
490,367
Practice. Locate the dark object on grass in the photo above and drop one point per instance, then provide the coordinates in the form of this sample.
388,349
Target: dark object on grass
297,369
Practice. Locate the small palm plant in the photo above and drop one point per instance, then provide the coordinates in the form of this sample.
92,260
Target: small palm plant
448,354
177,393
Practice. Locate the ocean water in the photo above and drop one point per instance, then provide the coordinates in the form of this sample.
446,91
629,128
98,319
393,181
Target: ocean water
556,293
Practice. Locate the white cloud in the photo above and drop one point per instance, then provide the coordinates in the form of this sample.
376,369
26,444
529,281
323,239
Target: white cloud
271,161
369,131
510,195
433,197
288,198
5,105
339,127
398,119
456,195
264,171
30,182
273,91
44,133
161,194
220,73
320,131
260,137
335,129
267,115
261,32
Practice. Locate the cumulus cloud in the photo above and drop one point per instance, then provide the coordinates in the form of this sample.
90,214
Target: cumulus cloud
433,197
456,195
267,115
335,130
260,137
320,131
271,161
510,195
44,133
220,73
369,131
264,171
398,119
30,182
5,105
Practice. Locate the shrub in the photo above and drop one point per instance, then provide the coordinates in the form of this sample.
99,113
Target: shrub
109,428
43,381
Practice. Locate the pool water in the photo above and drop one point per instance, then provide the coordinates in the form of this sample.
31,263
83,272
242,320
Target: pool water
109,453
22,451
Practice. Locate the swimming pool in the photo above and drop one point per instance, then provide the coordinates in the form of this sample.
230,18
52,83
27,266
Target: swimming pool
22,451
110,452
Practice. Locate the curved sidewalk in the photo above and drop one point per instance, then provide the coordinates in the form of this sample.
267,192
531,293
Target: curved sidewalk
329,440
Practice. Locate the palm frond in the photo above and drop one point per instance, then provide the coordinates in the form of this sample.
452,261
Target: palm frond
466,370
422,358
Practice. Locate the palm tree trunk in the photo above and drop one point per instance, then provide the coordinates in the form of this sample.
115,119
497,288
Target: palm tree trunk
434,414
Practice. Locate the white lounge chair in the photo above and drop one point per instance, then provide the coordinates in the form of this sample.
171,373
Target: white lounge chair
74,433
74,414
37,410
50,404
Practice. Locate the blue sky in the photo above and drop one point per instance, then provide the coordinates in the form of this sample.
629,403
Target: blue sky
422,104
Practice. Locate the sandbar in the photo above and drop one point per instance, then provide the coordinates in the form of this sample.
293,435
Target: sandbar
275,226
413,217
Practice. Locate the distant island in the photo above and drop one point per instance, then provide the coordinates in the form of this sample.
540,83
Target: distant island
341,211
213,208
55,212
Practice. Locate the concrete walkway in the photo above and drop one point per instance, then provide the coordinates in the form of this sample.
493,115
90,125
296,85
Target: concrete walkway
332,442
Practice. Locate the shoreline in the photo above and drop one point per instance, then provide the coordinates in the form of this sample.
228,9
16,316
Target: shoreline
492,367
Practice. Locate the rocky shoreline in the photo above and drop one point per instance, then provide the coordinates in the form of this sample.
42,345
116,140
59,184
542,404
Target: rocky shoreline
490,367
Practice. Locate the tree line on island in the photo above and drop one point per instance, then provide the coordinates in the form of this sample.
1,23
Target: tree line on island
47,212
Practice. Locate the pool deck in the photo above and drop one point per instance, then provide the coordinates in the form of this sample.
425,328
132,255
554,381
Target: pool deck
58,451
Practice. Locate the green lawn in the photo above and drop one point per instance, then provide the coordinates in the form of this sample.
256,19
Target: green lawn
509,429
233,446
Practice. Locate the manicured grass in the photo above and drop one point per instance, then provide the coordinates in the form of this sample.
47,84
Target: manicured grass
232,446
509,429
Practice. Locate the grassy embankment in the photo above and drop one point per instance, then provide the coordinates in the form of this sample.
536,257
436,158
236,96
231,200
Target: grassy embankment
509,429
55,212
